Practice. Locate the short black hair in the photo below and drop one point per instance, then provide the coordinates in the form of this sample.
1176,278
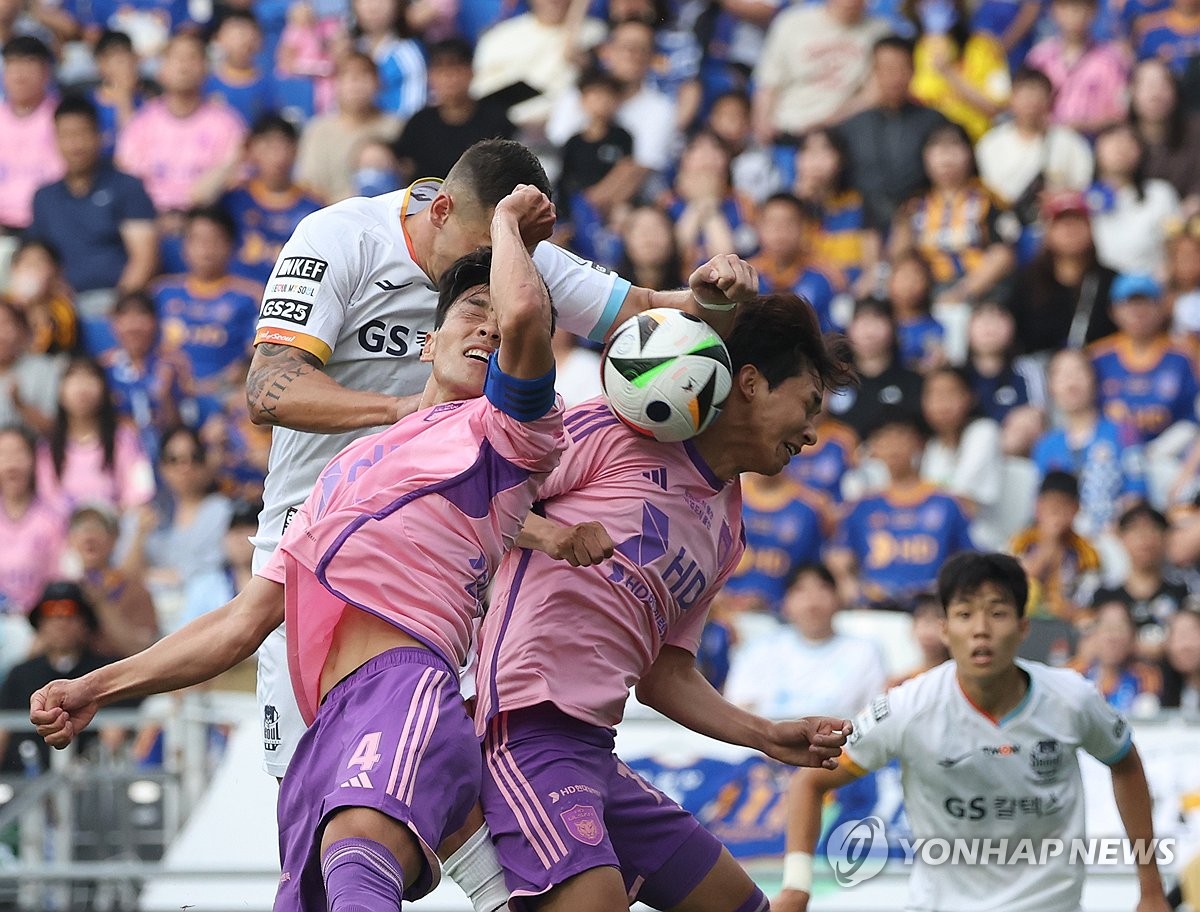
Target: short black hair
1030,75
27,47
135,302
77,106
812,568
805,210
967,571
272,122
781,336
113,40
597,78
1058,481
897,416
876,306
451,51
214,214
895,42
463,274
492,168
1142,510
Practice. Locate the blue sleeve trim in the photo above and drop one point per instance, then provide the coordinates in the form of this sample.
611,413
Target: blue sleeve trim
1121,753
524,400
616,297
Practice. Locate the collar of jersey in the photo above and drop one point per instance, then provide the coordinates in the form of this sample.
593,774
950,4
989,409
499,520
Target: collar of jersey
1012,713
404,213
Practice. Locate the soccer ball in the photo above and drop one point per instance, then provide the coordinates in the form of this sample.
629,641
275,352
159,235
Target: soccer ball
666,374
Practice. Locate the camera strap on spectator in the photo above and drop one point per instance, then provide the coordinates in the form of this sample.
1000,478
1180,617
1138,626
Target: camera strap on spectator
1088,293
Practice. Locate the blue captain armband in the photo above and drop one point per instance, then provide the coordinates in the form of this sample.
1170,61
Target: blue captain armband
524,400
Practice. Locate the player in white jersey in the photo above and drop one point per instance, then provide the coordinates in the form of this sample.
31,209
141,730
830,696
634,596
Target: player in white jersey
344,318
988,747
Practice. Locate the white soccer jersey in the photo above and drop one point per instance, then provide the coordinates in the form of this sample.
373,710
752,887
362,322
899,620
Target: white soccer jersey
346,289
967,775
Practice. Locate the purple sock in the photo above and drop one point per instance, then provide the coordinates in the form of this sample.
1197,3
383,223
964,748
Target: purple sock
755,902
361,876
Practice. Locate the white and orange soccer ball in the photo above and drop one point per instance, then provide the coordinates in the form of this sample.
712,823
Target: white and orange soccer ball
666,374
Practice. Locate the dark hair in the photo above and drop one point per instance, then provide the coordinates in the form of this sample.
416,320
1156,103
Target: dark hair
182,430
879,307
451,51
1142,510
673,267
1138,178
272,122
967,571
781,336
78,106
813,568
106,417
1026,74
806,211
895,42
214,214
927,603
237,15
113,40
29,438
399,24
489,170
951,130
844,178
912,255
1177,122
463,274
99,514
964,380
27,47
137,302
597,78
1058,481
897,416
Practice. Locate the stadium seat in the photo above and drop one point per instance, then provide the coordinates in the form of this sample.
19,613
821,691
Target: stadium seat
891,630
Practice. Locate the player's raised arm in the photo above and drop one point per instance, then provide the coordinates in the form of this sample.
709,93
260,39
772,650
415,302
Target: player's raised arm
713,293
520,298
203,649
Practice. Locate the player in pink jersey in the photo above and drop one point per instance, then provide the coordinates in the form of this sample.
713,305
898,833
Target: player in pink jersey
384,568
575,828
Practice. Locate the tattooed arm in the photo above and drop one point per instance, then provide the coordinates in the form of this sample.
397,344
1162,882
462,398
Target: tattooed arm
286,387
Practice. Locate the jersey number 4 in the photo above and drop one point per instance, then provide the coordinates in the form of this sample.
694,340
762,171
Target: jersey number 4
366,755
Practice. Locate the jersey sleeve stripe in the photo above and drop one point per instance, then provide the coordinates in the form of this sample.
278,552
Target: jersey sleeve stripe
616,297
276,336
1121,754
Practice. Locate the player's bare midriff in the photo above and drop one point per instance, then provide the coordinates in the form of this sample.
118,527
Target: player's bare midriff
358,638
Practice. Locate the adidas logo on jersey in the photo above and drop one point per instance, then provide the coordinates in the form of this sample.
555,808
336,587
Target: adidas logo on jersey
658,476
361,781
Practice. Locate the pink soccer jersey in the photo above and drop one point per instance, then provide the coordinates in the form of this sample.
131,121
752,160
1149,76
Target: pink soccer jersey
581,637
410,524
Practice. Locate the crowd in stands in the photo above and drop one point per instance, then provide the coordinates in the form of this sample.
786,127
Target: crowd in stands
998,202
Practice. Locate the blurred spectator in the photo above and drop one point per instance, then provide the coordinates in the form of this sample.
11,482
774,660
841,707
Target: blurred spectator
18,18
1011,22
99,219
963,452
1130,686
174,141
305,53
437,135
576,369
1061,298
709,216
235,79
822,466
814,68
207,590
185,538
892,544
644,111
716,643
90,456
1143,380
33,533
1105,457
910,289
150,384
960,73
64,622
1152,590
238,449
843,240
883,382
1009,390
1129,211
1183,280
1171,35
120,92
382,31
814,669
1063,566
376,170
206,313
28,155
886,141
1089,76
126,619
1181,674
928,620
1028,155
650,257
1169,132
591,183
958,225
540,48
267,207
27,381
149,23
37,288
329,141
753,166
786,526
787,235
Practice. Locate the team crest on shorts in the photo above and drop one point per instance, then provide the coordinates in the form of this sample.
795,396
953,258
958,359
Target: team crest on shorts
583,823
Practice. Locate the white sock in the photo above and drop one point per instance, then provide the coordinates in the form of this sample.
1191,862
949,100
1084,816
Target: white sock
475,867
